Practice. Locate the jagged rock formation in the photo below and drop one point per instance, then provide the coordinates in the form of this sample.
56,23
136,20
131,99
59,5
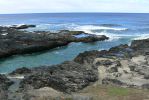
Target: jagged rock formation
124,66
14,41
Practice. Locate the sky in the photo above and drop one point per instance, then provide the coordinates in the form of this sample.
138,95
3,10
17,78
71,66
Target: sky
53,6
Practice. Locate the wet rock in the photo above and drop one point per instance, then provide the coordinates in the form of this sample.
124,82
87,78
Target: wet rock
13,41
91,38
119,48
72,32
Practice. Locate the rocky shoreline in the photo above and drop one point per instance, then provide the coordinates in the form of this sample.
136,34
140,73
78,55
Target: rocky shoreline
14,41
122,66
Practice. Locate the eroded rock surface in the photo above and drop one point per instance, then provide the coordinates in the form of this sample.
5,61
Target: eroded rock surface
67,77
124,66
13,41
4,85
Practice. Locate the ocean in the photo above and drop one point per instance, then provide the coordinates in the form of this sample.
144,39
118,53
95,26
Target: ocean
122,28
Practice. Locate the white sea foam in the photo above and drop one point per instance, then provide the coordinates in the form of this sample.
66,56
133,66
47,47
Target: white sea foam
142,36
88,28
91,29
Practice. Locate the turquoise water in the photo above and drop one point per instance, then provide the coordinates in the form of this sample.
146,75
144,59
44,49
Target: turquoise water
54,56
121,28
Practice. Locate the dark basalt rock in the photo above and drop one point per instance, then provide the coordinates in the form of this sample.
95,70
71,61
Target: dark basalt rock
72,32
146,76
72,76
119,48
104,62
145,86
122,51
4,82
14,42
107,81
141,46
67,77
21,71
87,57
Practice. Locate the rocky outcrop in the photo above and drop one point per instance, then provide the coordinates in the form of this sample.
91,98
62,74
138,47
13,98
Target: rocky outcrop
141,46
67,77
21,71
13,41
87,57
123,66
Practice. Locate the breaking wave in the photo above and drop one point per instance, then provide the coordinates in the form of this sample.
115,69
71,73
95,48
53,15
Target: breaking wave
113,31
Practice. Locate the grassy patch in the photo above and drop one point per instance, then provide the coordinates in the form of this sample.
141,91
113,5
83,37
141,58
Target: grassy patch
117,91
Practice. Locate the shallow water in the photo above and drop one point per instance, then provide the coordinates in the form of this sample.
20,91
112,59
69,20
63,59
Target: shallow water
121,28
55,56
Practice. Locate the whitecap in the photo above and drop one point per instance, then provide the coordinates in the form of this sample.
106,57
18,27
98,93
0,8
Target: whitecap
89,28
141,36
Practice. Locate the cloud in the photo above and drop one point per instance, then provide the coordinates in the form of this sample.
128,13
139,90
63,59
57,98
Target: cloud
37,6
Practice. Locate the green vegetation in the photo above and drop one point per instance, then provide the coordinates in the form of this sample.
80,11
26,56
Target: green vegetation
118,91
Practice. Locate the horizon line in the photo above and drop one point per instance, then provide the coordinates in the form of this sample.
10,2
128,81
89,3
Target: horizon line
76,13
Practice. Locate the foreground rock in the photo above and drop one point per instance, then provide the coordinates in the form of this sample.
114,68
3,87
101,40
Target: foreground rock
4,82
13,41
141,46
123,66
126,66
67,77
4,85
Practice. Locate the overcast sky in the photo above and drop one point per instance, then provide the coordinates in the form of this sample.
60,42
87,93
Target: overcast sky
45,6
